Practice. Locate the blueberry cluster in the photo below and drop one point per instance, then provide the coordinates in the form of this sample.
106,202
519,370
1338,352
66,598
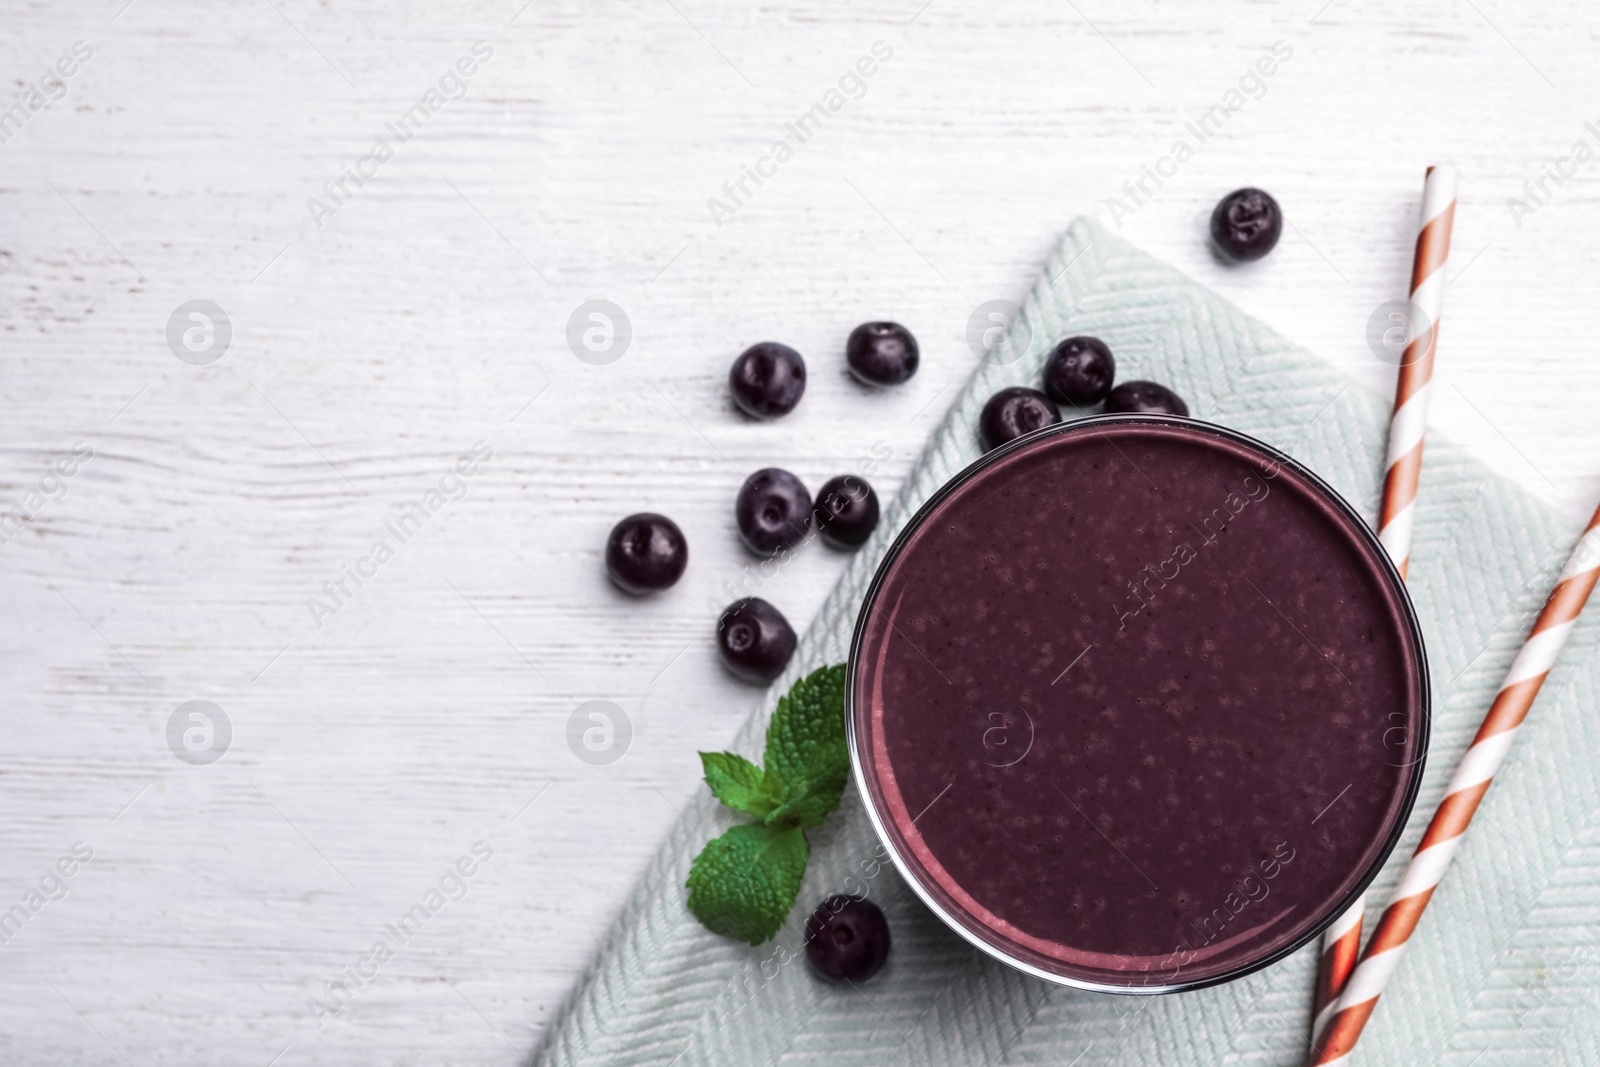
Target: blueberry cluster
1080,372
774,511
1245,226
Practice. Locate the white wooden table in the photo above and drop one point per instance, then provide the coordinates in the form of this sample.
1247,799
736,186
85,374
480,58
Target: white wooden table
429,312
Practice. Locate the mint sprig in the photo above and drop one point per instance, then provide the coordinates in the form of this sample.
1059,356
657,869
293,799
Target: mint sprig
744,883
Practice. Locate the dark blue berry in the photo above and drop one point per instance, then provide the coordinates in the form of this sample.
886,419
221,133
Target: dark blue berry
1246,224
1012,412
646,553
847,511
755,640
1080,371
773,511
847,939
1145,398
768,380
882,353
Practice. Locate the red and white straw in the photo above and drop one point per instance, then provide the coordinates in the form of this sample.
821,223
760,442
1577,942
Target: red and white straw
1473,775
1414,388
1341,945
1407,426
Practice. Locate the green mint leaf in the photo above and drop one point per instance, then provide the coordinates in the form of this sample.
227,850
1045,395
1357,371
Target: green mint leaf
738,783
810,807
807,758
744,883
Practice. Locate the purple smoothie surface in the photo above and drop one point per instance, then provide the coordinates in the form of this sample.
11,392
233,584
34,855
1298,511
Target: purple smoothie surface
1138,705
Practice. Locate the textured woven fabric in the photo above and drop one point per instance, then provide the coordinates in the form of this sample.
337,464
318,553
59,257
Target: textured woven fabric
1506,965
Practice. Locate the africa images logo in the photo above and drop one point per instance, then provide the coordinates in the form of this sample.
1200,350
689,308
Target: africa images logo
199,732
1251,85
40,94
452,84
852,82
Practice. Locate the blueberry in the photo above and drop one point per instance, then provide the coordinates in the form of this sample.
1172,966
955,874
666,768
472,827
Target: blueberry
1012,412
882,353
1145,398
847,939
847,511
755,640
768,380
1080,371
773,511
1246,224
646,553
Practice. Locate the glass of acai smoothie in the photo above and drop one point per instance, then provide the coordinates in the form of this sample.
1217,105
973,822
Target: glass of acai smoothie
1138,704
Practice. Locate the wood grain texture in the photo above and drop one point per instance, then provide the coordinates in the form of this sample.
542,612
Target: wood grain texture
368,354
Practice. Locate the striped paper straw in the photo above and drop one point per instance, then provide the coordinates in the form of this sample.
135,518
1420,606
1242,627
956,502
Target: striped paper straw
1414,387
1342,943
1471,782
